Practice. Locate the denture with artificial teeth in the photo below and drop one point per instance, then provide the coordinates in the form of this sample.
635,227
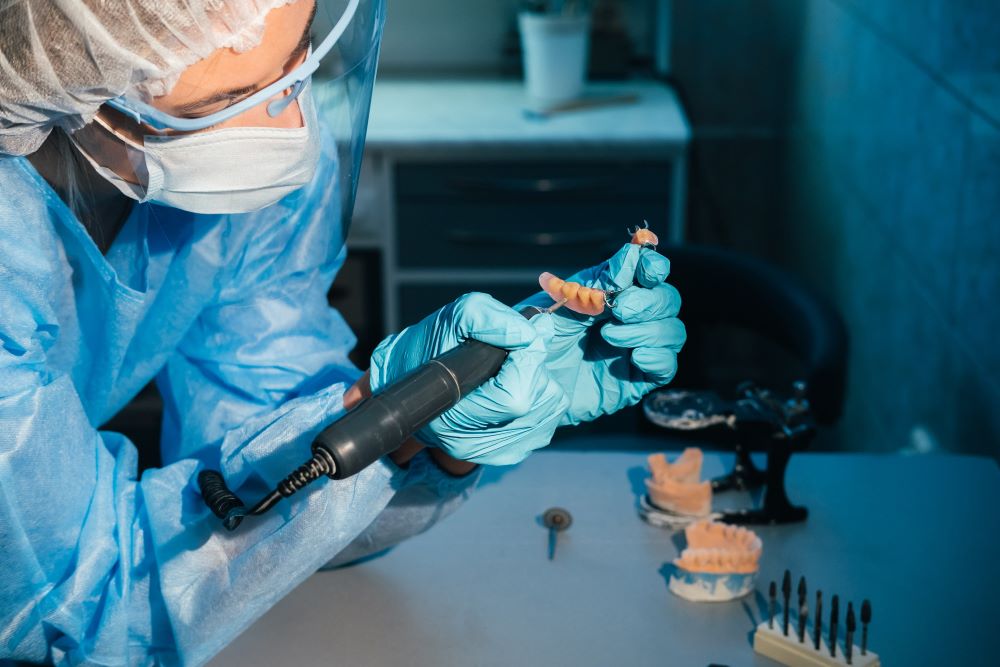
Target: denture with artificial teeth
720,548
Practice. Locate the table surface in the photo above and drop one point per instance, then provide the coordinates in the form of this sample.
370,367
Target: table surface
424,116
916,535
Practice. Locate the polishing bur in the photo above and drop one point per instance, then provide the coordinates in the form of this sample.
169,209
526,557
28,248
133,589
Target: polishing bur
772,599
849,643
866,618
803,609
818,622
834,612
786,592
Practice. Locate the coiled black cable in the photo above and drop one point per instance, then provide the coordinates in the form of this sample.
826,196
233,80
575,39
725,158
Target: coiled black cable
227,505
319,465
224,503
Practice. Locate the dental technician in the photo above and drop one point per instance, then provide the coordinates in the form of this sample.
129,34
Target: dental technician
175,190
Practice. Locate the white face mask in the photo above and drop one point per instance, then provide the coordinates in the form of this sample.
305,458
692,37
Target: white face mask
232,170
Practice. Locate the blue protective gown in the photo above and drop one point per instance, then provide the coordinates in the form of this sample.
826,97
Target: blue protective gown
229,314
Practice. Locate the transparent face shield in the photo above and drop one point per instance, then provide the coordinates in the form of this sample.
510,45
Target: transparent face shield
337,75
342,89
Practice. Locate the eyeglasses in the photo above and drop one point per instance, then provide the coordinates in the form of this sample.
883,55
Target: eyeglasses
295,81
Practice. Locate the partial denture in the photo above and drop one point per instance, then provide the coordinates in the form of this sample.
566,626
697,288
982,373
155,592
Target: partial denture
578,298
644,236
591,300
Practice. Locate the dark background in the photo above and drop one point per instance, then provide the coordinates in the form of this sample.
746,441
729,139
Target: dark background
858,144
854,143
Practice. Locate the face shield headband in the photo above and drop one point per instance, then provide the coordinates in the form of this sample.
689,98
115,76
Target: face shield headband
294,82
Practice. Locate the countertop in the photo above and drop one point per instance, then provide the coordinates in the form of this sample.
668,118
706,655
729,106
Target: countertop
916,535
477,116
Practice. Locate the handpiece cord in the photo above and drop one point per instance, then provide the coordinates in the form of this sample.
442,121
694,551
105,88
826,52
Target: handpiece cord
376,427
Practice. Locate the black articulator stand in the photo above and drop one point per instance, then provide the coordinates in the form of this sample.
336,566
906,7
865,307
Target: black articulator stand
756,421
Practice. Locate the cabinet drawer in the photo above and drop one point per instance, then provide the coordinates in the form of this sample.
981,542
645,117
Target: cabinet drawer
533,180
536,215
546,236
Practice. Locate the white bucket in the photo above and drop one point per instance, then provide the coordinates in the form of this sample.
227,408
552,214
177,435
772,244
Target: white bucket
555,56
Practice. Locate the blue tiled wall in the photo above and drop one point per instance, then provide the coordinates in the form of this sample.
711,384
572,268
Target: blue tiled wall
892,181
881,145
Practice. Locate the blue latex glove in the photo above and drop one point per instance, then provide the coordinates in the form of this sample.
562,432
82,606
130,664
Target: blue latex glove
512,414
610,361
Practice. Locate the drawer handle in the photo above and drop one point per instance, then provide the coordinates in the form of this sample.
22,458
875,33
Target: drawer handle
532,239
527,185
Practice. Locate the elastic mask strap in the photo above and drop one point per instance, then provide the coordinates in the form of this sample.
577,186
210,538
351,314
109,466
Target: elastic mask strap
276,107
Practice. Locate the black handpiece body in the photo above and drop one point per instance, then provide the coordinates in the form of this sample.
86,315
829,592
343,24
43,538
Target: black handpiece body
379,424
376,427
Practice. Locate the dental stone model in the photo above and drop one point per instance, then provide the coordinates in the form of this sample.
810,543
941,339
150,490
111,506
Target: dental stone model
677,487
720,563
675,495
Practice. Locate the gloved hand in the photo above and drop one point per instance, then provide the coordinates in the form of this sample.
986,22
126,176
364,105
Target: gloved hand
610,361
512,414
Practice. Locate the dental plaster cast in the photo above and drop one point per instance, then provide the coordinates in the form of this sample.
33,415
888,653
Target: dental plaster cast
676,487
719,564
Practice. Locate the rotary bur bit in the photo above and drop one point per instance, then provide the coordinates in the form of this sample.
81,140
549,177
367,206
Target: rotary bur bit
818,623
772,601
786,592
803,610
834,613
851,626
866,618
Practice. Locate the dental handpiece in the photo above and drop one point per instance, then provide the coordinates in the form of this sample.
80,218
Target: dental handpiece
376,427
384,421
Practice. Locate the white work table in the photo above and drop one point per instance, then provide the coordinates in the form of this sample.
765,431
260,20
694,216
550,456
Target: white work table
454,117
917,536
